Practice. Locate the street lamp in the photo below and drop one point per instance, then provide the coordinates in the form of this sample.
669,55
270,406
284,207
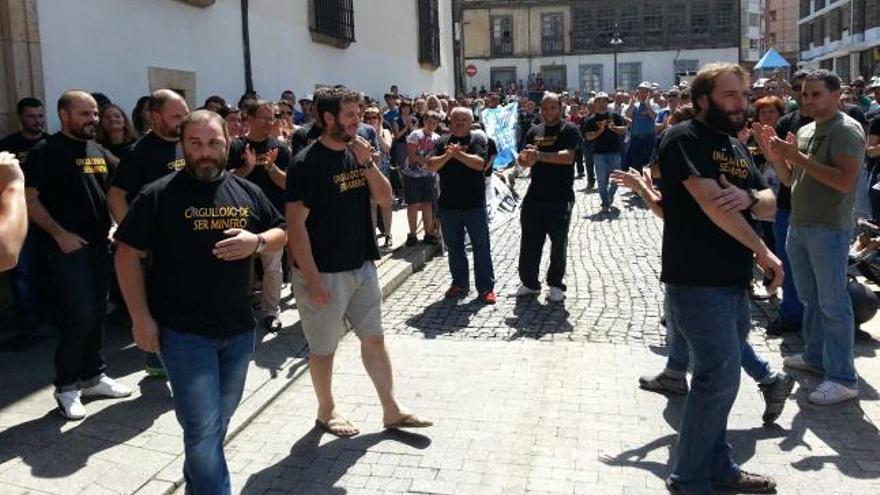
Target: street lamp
615,43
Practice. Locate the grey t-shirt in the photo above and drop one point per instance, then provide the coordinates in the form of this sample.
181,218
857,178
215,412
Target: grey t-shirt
814,204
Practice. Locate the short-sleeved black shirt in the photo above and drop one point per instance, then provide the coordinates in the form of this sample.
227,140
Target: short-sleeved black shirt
696,252
552,182
334,189
259,175
461,187
790,122
179,219
19,145
608,141
303,136
151,159
72,178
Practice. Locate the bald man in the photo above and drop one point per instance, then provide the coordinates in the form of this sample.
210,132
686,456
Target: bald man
66,182
155,155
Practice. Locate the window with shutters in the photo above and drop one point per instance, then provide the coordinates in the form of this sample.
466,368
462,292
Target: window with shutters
332,22
502,35
429,33
552,38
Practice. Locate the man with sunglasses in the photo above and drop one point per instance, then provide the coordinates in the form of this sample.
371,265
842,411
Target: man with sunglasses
263,160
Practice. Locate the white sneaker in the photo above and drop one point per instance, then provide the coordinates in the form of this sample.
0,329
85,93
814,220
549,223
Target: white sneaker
107,387
70,405
556,295
797,362
525,290
829,392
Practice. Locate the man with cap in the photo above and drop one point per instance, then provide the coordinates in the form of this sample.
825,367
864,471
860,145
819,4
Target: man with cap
603,131
304,116
642,115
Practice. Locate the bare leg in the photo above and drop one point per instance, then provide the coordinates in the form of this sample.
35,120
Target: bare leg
321,371
428,218
412,216
386,220
378,366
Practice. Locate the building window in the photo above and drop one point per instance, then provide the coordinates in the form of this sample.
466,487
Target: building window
819,5
843,68
629,75
754,20
502,77
685,68
676,16
805,8
753,44
772,39
429,33
502,35
552,39
772,16
332,21
699,19
591,78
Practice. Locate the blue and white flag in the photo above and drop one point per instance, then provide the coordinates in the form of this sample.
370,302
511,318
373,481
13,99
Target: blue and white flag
501,126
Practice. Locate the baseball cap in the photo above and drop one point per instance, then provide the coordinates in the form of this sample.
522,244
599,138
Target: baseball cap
645,85
600,95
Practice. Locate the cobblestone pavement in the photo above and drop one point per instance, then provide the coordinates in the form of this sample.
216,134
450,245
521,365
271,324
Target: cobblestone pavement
531,397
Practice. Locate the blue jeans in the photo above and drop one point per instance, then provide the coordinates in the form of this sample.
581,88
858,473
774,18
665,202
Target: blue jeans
80,282
207,379
715,322
605,164
790,308
453,223
818,260
679,356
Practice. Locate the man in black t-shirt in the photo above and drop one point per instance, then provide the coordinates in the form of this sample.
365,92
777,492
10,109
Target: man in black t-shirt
546,210
154,156
332,242
201,226
263,160
24,281
460,160
603,131
710,190
66,180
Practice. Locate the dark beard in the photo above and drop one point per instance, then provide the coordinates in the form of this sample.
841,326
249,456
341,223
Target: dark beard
338,133
717,118
206,173
84,132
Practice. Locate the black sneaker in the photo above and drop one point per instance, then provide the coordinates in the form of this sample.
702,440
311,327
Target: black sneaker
411,240
779,327
775,394
272,324
431,239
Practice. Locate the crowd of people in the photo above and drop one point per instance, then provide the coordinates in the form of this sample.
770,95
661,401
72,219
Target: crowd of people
184,206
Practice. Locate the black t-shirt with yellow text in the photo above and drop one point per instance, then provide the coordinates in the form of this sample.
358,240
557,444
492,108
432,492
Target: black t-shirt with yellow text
19,145
696,252
334,189
259,175
72,178
550,181
151,159
178,220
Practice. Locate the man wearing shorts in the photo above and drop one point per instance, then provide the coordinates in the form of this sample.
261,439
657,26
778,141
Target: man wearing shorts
331,240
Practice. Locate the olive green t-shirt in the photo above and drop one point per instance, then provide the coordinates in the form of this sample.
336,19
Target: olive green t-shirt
814,204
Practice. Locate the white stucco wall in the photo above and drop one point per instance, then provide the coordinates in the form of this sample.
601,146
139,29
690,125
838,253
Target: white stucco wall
656,66
107,46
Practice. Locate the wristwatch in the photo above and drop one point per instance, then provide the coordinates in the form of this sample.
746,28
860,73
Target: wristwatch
261,244
753,197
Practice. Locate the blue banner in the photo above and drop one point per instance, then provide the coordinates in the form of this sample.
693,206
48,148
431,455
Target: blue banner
501,126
